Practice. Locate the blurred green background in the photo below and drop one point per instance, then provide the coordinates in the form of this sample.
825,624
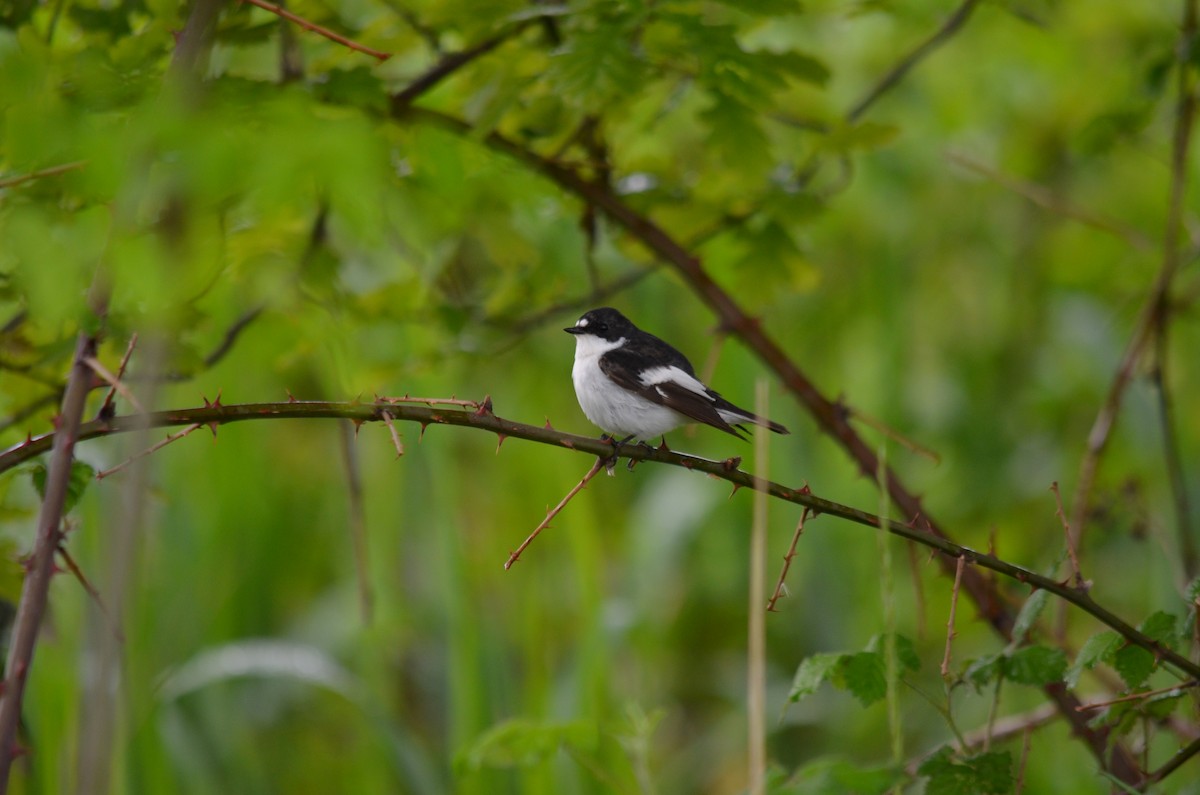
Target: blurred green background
965,262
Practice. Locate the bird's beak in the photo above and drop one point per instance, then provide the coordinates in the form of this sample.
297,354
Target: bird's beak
573,330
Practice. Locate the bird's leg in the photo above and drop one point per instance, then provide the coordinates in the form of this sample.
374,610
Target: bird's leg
633,461
610,463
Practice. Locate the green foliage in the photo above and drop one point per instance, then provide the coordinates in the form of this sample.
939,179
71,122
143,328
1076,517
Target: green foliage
80,478
963,262
862,674
1030,665
982,774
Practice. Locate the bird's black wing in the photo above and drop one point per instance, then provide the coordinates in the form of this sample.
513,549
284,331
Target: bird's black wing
625,367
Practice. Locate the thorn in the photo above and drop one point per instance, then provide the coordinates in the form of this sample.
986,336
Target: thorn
291,397
216,404
357,424
485,408
28,439
663,445
736,486
548,426
421,435
500,437
356,400
732,463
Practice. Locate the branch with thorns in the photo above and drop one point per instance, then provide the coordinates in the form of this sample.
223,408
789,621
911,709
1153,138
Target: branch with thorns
318,29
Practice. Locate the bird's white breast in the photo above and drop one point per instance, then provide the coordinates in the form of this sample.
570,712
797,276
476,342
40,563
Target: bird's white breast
612,407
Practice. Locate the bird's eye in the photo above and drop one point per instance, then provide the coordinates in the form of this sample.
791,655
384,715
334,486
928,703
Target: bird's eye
602,327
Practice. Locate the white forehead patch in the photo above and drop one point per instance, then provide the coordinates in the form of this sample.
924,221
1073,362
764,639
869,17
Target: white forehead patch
581,323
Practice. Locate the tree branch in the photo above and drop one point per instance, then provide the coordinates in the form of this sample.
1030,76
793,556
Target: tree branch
483,419
905,65
831,417
36,587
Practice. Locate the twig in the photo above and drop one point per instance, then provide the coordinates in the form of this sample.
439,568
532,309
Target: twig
591,473
1003,729
399,445
1026,737
950,633
1175,688
35,589
1070,540
897,72
448,65
151,449
450,401
1156,308
1172,456
73,567
1181,756
1045,199
319,30
114,383
780,586
9,182
217,414
107,407
893,434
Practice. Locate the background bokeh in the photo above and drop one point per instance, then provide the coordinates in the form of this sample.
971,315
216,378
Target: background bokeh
965,262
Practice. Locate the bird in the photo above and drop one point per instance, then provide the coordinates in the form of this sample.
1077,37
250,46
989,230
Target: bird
632,384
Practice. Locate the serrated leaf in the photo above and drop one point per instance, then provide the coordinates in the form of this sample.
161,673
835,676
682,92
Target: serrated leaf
1096,649
81,477
1160,626
1133,664
906,652
1036,665
984,671
735,135
984,774
864,675
812,672
1030,612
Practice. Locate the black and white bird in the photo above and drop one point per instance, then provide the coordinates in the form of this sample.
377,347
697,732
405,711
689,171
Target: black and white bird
634,385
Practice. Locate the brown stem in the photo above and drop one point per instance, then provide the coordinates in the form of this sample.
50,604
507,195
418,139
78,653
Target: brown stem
319,30
35,589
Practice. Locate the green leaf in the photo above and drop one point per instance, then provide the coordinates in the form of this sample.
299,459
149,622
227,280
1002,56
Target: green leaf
829,776
1160,626
1097,649
1133,664
520,742
864,675
81,477
1030,612
984,774
812,672
1036,665
984,671
906,652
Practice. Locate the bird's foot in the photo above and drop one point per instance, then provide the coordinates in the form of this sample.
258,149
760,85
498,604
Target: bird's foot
610,463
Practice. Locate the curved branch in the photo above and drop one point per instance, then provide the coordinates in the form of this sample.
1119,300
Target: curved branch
483,419
830,416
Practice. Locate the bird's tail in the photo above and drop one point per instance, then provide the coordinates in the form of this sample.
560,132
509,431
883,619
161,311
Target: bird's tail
740,417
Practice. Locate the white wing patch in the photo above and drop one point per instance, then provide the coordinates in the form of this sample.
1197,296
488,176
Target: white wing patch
659,375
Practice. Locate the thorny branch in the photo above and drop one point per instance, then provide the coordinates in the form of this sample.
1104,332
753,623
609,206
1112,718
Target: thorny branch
485,420
829,415
319,30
